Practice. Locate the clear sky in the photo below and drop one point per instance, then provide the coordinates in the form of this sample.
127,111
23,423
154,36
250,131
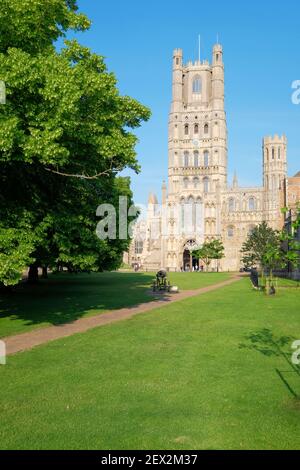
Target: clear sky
261,41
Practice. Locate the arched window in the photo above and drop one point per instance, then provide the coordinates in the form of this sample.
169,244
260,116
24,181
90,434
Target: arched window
191,212
185,183
196,129
267,154
197,85
196,158
206,184
182,204
279,153
230,232
251,204
231,205
206,158
186,159
138,247
196,183
273,153
206,129
186,129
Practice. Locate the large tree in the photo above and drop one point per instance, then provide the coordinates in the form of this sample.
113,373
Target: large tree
65,133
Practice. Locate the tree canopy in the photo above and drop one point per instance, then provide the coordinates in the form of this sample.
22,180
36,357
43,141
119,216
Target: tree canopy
65,134
213,250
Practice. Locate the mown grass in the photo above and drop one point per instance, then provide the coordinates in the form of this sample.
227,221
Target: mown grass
210,372
64,298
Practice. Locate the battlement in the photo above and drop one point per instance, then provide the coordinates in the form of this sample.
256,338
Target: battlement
270,140
197,65
177,52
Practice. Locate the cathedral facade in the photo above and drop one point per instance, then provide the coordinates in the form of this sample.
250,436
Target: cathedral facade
198,203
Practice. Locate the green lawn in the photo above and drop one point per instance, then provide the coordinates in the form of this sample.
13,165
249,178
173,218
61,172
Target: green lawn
64,298
205,373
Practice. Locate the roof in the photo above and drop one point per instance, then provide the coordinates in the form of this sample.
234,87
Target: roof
297,175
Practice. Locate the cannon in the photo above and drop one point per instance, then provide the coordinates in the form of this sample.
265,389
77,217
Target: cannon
161,282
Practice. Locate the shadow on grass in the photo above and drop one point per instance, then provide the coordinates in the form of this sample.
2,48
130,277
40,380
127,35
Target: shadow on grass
64,298
266,343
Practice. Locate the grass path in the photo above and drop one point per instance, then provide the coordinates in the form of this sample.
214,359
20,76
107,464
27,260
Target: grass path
31,339
65,298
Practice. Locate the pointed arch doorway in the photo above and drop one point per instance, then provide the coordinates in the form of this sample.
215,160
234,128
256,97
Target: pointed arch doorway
190,263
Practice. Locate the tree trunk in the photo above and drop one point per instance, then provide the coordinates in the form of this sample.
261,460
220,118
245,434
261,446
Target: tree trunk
45,272
33,274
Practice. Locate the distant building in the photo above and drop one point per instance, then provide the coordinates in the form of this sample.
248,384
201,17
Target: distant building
197,178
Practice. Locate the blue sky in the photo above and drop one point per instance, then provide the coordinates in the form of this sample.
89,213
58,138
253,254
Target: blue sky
261,41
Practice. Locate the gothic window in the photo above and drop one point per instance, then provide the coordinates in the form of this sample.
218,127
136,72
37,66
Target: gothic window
196,183
230,232
231,205
196,158
206,129
186,159
206,158
197,85
196,129
279,153
182,212
186,183
186,129
273,153
267,182
177,61
138,247
251,204
206,184
267,154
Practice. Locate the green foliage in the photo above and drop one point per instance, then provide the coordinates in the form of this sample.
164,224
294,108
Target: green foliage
65,133
210,251
257,245
16,247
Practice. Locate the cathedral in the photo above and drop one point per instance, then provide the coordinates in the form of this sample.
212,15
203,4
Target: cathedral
198,204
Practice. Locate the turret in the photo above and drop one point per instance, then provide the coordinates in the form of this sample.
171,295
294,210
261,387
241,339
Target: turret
177,80
218,78
274,162
164,193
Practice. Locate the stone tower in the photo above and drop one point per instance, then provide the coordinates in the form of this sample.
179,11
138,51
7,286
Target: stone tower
197,125
274,176
197,146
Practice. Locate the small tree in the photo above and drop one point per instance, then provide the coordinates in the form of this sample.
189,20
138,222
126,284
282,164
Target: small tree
257,245
210,251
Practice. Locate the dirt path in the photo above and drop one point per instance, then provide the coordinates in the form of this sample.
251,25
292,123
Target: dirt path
25,341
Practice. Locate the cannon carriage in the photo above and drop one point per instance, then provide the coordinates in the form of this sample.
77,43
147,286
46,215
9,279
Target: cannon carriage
161,282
